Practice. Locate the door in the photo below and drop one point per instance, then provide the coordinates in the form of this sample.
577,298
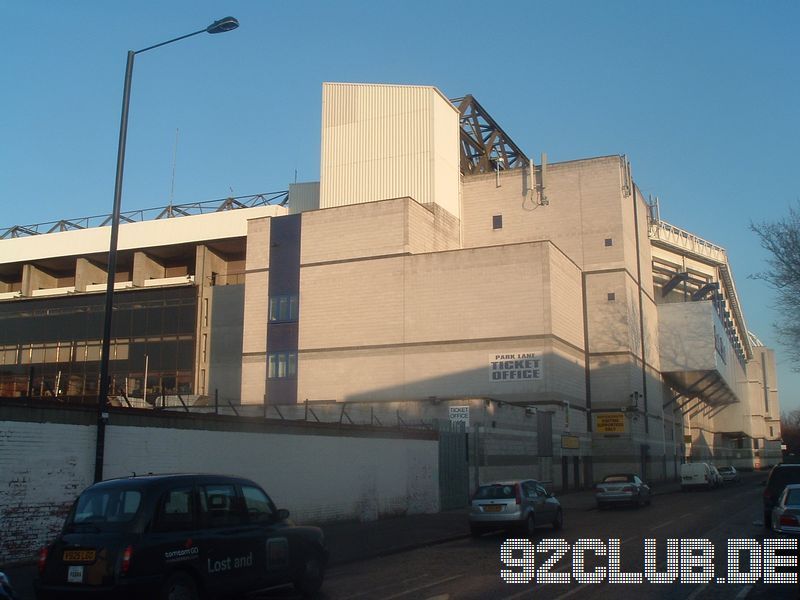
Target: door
453,467
230,560
544,509
267,537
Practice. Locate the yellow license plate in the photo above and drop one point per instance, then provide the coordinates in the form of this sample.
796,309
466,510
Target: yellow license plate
79,555
492,508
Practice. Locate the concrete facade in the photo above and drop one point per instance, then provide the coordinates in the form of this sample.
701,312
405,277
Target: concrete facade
397,279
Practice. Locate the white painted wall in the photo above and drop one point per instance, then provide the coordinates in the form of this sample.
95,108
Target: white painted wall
318,477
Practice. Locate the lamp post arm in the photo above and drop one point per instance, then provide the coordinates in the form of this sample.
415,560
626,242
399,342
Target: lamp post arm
183,37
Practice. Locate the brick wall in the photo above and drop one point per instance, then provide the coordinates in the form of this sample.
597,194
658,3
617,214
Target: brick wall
319,472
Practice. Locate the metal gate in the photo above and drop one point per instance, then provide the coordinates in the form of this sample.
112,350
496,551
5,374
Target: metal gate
453,466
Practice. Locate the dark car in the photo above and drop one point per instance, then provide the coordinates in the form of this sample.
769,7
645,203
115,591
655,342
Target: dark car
779,477
178,536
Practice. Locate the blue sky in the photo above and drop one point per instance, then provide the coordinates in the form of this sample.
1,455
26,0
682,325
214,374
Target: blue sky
702,96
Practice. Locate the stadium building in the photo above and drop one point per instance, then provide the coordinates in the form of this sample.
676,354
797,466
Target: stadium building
433,266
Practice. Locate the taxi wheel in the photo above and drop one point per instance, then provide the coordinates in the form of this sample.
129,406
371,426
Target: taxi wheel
530,526
558,522
179,586
309,580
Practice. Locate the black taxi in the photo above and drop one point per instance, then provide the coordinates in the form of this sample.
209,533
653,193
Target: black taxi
178,536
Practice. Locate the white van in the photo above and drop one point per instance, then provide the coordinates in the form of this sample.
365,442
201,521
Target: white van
694,475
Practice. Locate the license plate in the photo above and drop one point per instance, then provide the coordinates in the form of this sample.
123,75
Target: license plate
79,555
75,574
492,508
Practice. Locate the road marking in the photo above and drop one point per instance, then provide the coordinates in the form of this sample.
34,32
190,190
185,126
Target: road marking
696,592
572,592
744,591
670,522
422,587
405,581
440,597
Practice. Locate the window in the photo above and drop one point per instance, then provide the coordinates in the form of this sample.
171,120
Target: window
176,512
283,309
107,506
612,296
220,506
259,507
497,222
609,242
282,365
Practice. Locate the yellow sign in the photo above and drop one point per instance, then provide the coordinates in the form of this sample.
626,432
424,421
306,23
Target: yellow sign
570,442
610,422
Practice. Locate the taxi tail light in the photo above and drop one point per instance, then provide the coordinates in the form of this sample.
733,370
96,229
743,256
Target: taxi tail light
42,559
518,493
628,488
790,520
126,560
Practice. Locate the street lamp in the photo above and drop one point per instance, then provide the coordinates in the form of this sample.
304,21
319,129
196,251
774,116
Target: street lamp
220,26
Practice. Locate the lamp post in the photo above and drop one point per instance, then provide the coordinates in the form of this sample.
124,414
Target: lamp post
221,26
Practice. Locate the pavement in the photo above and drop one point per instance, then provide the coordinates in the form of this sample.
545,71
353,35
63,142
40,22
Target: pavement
354,541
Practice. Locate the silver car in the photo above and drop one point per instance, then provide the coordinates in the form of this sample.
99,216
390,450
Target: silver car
729,474
522,505
622,488
786,513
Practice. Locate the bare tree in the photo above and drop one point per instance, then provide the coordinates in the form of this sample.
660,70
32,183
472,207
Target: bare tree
790,431
782,240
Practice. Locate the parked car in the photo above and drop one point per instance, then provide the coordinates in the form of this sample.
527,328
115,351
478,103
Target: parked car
716,476
779,477
178,536
626,488
786,512
522,505
698,475
729,474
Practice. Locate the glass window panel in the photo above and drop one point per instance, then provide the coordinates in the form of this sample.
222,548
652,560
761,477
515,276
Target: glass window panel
292,368
169,356
154,321
185,359
273,309
121,351
93,351
273,366
258,505
37,354
51,353
284,308
293,305
220,506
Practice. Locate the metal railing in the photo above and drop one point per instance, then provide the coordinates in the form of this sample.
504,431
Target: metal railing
149,214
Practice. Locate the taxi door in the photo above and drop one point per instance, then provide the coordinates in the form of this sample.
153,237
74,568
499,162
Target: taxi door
268,535
230,557
174,541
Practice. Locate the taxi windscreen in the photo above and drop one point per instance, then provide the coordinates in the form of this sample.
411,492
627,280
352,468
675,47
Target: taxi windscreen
104,509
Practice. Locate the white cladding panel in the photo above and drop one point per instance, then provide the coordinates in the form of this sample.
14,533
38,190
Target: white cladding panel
145,234
388,141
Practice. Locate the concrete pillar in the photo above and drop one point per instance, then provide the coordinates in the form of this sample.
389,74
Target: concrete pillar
256,298
146,267
207,264
88,273
34,278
